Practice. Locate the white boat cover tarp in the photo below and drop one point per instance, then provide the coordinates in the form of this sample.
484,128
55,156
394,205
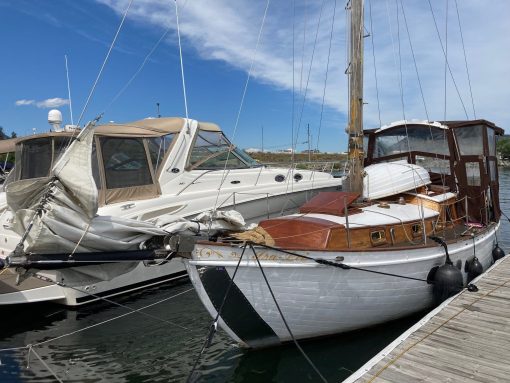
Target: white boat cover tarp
390,178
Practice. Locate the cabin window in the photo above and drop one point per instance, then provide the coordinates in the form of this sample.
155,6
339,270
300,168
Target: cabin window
417,230
36,157
378,237
211,150
414,138
158,147
473,174
125,162
434,165
493,170
470,140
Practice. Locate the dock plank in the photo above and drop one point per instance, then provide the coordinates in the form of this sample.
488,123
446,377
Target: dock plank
465,340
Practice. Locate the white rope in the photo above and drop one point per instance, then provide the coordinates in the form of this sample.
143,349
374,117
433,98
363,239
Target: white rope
182,66
31,350
96,324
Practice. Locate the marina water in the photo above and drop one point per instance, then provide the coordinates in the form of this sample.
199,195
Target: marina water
137,348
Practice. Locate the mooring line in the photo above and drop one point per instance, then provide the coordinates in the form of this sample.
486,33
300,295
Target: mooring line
45,365
214,324
284,320
94,325
46,279
342,265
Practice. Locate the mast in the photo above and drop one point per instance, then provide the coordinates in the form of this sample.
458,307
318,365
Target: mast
355,127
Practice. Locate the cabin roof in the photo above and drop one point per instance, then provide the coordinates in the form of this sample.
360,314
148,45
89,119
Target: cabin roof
439,124
148,127
8,146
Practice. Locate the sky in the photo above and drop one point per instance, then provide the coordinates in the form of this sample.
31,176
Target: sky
246,72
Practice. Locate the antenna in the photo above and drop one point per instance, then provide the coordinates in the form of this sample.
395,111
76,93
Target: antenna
262,139
308,141
69,92
157,106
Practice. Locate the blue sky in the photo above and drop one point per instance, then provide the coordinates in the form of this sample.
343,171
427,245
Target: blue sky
219,39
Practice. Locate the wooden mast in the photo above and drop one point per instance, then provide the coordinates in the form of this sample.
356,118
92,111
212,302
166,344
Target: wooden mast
355,127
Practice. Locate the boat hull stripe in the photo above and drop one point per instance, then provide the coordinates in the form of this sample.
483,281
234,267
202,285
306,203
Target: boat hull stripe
237,313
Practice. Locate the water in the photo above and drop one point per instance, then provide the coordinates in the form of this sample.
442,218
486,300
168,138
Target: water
136,348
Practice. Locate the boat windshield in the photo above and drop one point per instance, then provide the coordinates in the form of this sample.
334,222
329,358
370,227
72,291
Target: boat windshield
427,145
158,147
211,151
414,138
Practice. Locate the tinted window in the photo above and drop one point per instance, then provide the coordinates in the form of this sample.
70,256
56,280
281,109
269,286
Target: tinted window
36,158
125,162
470,140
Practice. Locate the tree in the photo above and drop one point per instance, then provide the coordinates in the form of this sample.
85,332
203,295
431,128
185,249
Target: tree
503,148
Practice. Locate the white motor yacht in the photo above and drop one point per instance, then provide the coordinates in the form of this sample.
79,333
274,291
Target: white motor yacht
143,170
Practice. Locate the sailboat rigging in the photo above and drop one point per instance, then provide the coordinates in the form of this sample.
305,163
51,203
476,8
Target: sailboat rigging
422,198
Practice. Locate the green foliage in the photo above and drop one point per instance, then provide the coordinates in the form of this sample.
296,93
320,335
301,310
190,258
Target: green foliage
4,136
503,148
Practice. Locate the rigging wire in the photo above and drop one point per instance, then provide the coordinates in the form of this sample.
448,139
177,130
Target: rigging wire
375,65
69,92
137,72
326,76
401,82
414,60
182,66
465,60
446,60
225,173
447,63
104,64
308,76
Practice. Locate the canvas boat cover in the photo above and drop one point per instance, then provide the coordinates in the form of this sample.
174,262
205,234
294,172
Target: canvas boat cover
68,221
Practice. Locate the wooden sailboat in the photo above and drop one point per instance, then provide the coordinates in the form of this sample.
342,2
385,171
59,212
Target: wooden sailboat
422,202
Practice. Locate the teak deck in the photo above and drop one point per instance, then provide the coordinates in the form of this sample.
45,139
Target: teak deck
465,340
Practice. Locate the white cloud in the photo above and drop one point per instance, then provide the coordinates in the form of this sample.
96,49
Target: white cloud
52,103
227,30
44,104
24,102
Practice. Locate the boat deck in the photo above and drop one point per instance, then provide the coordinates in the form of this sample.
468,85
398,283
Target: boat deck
466,339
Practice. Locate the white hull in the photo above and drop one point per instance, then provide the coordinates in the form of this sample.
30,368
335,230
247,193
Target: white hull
319,300
252,206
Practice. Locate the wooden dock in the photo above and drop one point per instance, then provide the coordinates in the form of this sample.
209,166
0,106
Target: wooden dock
466,339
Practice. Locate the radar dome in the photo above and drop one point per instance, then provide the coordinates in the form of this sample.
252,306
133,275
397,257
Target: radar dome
55,119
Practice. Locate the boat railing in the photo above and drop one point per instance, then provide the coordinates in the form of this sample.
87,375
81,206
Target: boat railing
319,166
